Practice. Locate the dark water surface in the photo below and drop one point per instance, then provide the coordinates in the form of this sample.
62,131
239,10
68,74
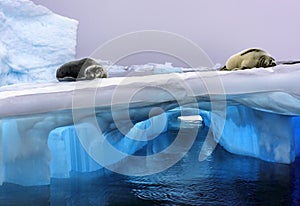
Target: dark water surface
222,179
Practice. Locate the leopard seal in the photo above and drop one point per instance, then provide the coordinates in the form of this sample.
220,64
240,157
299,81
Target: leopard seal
82,69
248,59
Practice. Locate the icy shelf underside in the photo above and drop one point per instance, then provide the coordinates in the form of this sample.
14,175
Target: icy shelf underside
39,147
38,139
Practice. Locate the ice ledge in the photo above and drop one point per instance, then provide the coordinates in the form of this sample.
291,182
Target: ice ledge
248,87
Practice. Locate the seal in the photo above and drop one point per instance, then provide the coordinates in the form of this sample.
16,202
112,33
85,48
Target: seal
248,59
82,69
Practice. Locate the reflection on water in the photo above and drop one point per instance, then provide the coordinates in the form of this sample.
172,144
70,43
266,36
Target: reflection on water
222,179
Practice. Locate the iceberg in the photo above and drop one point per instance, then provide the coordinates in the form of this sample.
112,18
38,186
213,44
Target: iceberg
51,130
34,42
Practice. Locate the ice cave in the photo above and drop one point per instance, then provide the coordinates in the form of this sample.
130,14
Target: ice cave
50,129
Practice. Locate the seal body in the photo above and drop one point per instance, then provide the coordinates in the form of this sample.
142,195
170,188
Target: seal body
248,59
83,69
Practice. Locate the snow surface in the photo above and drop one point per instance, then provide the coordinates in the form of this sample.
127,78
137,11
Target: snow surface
34,42
247,87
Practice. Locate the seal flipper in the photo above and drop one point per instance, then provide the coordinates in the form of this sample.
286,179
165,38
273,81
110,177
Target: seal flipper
66,79
223,68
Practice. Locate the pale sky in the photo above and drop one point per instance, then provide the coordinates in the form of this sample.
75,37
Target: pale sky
220,28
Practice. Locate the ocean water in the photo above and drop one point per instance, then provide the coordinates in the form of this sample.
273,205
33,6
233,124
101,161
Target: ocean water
222,179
